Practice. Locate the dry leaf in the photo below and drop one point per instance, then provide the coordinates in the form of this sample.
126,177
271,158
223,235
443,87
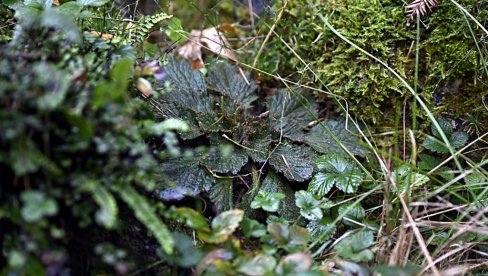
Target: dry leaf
213,39
144,86
102,36
56,2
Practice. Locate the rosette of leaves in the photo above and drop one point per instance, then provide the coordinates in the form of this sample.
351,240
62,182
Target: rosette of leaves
335,170
457,139
221,111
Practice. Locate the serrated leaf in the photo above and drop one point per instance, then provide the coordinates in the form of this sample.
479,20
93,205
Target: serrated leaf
445,126
224,225
335,170
221,194
270,202
321,230
293,238
92,3
355,213
226,79
475,178
356,246
225,157
427,162
260,142
184,177
273,183
309,206
321,140
458,139
185,78
291,113
404,176
435,145
295,162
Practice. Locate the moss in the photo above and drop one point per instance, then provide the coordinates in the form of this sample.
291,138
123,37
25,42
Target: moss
448,53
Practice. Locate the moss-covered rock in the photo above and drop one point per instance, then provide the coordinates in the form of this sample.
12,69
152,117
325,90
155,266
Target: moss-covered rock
449,60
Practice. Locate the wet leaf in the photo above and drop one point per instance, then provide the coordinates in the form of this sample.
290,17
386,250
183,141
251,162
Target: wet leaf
321,230
290,113
270,202
309,206
221,194
320,138
335,170
356,246
295,162
224,225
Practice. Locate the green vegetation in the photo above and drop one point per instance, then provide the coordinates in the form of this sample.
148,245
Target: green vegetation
345,142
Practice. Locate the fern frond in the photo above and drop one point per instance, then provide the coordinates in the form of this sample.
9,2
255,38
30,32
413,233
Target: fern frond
147,215
421,7
140,30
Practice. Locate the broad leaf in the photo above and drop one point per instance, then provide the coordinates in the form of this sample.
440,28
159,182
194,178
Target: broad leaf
252,228
405,177
295,162
225,157
186,79
290,113
354,214
445,126
259,265
294,263
184,177
259,143
435,145
221,194
224,225
36,206
189,217
459,139
92,3
270,202
335,170
184,254
309,206
226,79
274,184
320,138
293,238
321,230
356,246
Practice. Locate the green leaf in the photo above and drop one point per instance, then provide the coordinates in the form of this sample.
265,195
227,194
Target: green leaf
224,225
435,145
309,206
294,263
291,113
476,178
294,161
270,202
190,217
259,141
108,212
175,31
259,265
185,254
252,228
37,206
335,170
92,3
356,246
293,238
427,162
145,213
320,138
458,139
221,194
184,177
321,229
445,126
225,157
227,80
159,128
405,177
355,213
274,184
185,79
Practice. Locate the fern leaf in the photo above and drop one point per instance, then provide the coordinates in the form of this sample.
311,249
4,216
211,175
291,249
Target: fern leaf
422,7
146,214
142,28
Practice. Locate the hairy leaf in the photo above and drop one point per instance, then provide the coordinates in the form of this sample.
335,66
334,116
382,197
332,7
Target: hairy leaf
259,142
225,157
221,194
445,126
294,161
321,229
226,79
291,113
354,213
321,138
335,170
459,139
184,177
